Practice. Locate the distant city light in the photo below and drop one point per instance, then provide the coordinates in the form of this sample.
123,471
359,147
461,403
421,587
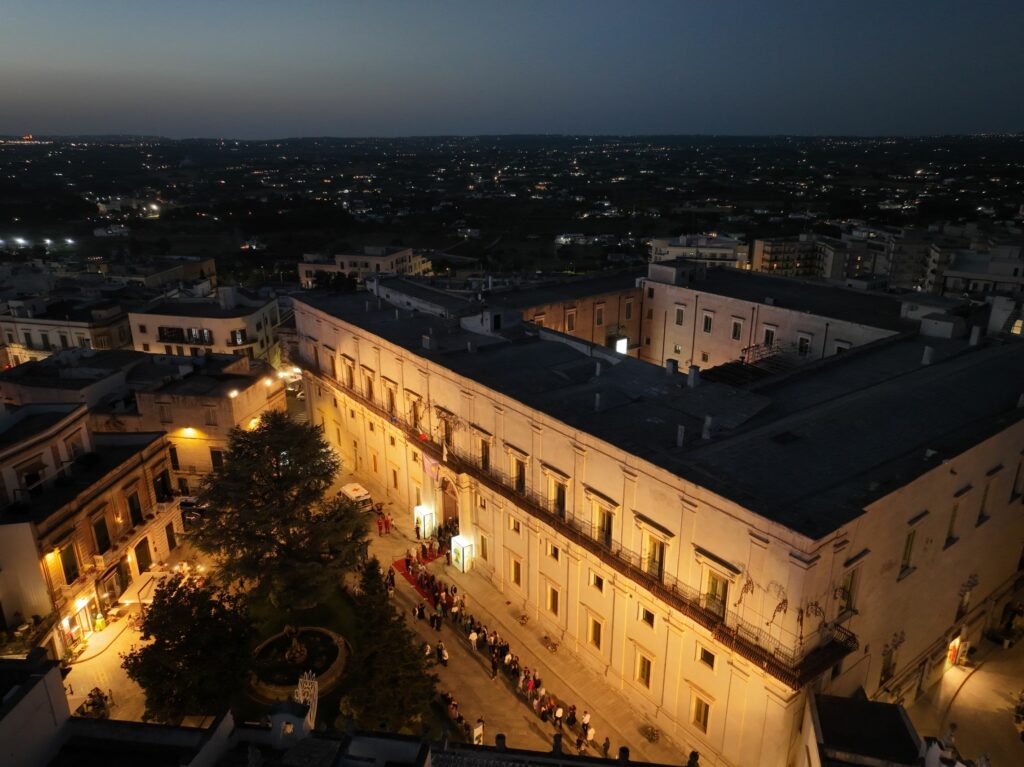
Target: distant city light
69,241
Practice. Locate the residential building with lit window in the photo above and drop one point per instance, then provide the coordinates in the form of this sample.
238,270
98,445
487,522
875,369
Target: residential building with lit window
711,317
195,400
83,515
713,551
373,261
32,329
236,322
786,256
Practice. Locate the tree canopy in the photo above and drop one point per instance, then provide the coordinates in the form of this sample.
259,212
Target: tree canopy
270,525
199,654
389,683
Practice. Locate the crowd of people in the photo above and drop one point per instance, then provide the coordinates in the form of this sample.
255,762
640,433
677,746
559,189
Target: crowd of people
446,604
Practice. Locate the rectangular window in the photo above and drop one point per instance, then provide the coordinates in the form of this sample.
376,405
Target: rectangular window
650,314
69,563
647,616
596,581
516,572
679,315
484,544
210,416
594,629
888,667
216,458
803,345
654,556
164,413
842,346
553,600
983,506
603,524
650,292
557,492
908,553
951,529
134,509
513,525
701,712
173,452
142,329
485,454
368,388
677,349
769,336
737,330
708,322
553,551
706,657
599,316
570,321
519,475
847,593
172,540
392,402
629,309
99,528
643,669
717,594
394,478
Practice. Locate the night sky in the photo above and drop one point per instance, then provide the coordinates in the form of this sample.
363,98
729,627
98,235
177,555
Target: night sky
278,68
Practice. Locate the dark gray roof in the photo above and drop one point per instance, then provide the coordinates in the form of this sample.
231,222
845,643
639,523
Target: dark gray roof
865,728
877,310
211,309
568,290
808,451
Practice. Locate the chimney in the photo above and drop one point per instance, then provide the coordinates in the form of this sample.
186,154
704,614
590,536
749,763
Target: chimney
769,301
597,402
680,435
693,377
623,754
706,431
929,354
597,369
671,367
499,741
427,341
975,335
556,743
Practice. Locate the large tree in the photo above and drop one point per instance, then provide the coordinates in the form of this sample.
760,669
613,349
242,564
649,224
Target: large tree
199,654
270,525
388,683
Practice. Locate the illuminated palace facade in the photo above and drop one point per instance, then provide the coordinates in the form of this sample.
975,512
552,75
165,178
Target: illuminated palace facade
712,552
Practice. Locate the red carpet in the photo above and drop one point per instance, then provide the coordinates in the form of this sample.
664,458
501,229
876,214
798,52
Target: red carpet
399,565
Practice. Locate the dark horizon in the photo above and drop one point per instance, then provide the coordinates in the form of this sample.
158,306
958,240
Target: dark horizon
458,68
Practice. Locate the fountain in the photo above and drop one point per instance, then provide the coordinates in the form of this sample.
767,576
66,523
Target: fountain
283,658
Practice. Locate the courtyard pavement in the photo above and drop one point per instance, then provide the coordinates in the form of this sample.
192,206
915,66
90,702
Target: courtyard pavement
980,699
468,675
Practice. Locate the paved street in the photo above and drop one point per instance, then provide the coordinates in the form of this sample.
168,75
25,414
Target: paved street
468,675
980,700
100,666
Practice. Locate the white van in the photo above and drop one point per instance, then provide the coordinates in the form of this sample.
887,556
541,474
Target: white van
359,496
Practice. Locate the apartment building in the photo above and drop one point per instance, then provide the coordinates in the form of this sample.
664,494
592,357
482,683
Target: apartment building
374,260
709,249
196,401
83,515
33,328
713,552
236,322
710,317
786,256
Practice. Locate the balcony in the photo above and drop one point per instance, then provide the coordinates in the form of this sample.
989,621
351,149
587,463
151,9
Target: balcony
793,666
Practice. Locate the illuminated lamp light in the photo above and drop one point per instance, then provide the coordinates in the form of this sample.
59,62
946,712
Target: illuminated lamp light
622,345
66,622
189,431
254,423
296,370
80,603
268,381
233,393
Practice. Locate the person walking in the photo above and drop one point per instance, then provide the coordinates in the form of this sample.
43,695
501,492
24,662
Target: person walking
606,747
380,525
585,722
570,717
444,656
494,665
559,713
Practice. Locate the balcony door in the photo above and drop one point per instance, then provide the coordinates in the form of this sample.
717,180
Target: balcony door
143,555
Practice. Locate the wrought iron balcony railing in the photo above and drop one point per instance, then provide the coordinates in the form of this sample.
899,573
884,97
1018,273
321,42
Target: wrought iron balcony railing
795,667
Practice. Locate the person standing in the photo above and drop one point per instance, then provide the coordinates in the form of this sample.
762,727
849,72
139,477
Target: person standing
559,713
606,747
386,518
585,722
417,530
494,665
380,525
570,717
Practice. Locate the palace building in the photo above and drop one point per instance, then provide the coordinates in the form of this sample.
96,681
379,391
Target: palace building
714,552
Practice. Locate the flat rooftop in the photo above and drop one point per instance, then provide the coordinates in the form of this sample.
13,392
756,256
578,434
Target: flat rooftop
86,471
878,310
808,450
569,290
30,420
193,308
